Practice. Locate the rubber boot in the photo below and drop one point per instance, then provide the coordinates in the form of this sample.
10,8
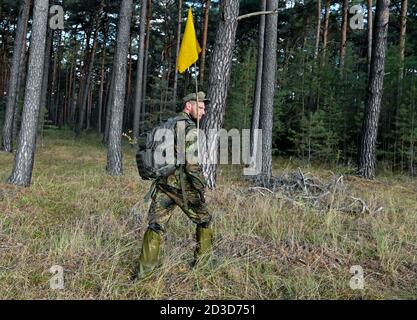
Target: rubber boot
149,256
204,237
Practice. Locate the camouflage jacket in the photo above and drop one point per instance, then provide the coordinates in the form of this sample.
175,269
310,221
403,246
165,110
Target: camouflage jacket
194,178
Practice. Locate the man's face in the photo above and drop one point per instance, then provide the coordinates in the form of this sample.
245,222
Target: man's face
191,107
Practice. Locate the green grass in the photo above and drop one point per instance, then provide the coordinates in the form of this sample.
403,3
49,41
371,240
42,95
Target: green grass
76,216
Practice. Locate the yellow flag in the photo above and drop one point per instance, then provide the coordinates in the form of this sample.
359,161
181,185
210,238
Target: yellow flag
189,46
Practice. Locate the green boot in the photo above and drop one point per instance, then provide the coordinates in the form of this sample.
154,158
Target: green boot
204,237
150,250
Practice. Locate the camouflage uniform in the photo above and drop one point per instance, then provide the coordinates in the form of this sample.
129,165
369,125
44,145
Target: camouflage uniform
169,194
184,188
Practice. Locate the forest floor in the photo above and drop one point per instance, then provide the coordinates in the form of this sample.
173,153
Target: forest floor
266,247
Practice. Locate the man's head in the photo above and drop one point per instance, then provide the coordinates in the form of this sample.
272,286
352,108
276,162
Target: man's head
190,105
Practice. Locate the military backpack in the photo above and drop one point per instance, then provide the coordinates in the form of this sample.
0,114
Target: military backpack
149,146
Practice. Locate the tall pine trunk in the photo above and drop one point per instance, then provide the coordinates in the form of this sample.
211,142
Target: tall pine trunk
268,88
370,22
318,26
403,28
85,91
20,85
177,50
366,155
220,67
145,63
7,143
343,42
45,83
25,153
114,147
109,105
139,72
326,30
258,84
204,42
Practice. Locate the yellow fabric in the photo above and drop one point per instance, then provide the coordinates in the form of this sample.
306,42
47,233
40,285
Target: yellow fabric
190,47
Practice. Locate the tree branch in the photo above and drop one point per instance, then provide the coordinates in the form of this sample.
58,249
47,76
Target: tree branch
244,16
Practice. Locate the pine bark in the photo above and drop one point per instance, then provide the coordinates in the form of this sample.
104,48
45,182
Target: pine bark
403,28
204,42
318,26
145,64
25,153
114,154
139,72
87,83
366,155
343,42
7,141
109,105
268,88
45,82
219,79
102,77
258,84
20,84
370,22
177,50
326,28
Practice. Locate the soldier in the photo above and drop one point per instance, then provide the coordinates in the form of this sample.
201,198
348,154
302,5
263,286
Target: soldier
184,188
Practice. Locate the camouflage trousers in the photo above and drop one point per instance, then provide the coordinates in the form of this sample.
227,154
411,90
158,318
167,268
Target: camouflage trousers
167,197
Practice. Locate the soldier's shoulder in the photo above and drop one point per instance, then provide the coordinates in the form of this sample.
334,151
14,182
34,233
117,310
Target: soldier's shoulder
190,124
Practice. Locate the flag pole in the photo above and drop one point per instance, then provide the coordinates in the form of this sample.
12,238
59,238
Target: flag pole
198,109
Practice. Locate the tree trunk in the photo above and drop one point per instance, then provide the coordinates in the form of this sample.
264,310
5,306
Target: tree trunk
179,23
326,29
7,143
87,83
81,82
366,155
317,46
369,35
109,106
268,88
114,155
145,64
403,27
126,117
139,72
102,74
53,107
20,84
220,67
25,153
343,42
45,82
71,76
258,85
74,98
89,106
204,42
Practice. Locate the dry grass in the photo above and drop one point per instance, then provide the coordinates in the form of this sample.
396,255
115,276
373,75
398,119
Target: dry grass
76,216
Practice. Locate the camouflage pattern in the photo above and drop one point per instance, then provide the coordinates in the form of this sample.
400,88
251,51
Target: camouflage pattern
193,97
169,190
